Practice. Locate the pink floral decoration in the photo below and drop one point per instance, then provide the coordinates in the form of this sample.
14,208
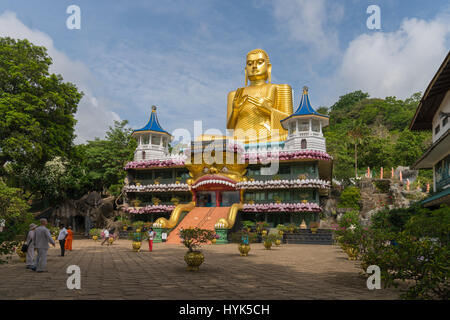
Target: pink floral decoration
282,207
150,209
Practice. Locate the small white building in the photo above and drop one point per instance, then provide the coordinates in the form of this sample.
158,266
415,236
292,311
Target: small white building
305,127
433,114
153,141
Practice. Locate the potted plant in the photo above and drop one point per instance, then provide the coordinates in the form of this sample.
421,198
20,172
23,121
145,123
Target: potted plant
157,180
175,200
178,180
278,240
244,245
216,237
136,203
136,237
268,240
291,227
192,239
138,225
156,201
281,228
248,224
94,233
277,199
314,226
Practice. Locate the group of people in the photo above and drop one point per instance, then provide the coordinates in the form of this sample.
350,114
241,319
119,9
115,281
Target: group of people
39,238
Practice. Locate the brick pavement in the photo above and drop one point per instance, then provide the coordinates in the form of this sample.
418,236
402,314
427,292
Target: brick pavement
116,272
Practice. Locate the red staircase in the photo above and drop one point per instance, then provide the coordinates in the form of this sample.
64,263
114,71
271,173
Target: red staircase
200,217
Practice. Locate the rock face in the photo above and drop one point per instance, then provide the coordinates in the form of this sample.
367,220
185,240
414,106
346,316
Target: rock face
85,213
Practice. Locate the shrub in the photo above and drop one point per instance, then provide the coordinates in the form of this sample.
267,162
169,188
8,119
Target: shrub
350,198
424,262
138,224
193,238
95,232
411,245
248,223
270,238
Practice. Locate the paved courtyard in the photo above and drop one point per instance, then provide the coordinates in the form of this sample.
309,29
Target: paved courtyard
116,272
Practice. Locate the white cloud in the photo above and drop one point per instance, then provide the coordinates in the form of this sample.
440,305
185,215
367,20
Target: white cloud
395,63
93,115
308,22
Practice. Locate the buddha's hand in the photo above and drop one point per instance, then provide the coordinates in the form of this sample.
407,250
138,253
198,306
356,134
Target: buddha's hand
239,100
262,103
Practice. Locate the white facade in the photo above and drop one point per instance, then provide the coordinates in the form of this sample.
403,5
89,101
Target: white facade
151,146
441,122
305,133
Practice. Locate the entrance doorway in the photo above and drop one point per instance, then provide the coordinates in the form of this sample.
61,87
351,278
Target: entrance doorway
206,199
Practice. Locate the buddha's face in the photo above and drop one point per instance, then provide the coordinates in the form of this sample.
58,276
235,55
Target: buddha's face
257,66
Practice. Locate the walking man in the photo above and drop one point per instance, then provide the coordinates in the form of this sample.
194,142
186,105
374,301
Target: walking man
151,236
41,239
30,250
62,239
105,235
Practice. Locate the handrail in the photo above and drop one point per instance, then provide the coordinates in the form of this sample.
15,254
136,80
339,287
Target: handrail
175,215
229,222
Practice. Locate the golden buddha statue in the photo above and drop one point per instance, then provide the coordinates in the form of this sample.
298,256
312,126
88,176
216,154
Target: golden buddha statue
255,111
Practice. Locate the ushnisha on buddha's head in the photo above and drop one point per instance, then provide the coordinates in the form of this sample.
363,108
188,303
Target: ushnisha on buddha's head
258,67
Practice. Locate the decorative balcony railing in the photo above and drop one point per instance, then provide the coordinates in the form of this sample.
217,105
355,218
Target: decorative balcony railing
150,209
282,207
283,184
157,187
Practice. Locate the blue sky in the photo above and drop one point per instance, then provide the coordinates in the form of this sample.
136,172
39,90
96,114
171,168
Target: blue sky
185,56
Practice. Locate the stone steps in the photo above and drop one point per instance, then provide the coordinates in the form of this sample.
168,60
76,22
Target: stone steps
306,237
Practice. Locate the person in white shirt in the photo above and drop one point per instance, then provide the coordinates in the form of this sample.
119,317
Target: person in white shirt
62,239
151,236
30,243
41,239
105,235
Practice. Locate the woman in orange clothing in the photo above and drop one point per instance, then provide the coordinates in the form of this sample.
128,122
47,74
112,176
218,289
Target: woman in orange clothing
69,238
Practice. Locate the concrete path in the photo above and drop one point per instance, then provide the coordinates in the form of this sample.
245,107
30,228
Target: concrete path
116,272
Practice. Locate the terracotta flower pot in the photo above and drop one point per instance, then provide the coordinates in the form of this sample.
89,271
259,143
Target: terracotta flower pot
213,241
244,249
94,238
194,259
278,242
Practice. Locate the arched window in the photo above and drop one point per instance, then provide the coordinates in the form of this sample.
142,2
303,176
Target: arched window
303,144
143,155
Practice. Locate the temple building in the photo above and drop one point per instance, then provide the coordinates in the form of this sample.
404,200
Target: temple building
273,166
433,114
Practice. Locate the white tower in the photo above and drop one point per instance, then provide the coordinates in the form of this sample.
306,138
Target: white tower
152,140
305,127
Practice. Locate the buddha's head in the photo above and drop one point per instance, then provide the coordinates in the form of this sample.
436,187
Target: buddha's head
257,66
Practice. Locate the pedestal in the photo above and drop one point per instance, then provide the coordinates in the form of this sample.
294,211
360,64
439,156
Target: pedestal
223,236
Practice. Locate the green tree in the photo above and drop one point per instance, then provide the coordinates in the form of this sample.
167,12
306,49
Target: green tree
104,160
15,217
36,108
